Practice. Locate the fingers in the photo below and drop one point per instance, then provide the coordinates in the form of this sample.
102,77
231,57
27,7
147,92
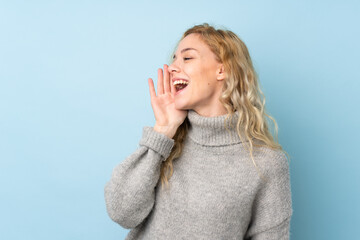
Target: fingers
151,88
173,90
163,82
160,82
167,79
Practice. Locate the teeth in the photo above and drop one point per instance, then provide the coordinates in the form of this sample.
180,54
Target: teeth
180,82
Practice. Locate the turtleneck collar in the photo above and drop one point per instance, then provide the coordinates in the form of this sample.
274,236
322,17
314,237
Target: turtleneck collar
210,131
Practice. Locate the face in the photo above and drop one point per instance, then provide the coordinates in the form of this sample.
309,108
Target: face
196,64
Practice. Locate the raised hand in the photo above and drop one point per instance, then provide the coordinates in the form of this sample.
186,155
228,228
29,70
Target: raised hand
167,117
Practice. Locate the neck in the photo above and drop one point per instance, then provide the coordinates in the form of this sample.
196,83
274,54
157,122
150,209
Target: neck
213,111
211,131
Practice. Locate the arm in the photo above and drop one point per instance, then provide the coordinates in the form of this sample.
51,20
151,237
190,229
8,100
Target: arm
130,193
279,232
272,207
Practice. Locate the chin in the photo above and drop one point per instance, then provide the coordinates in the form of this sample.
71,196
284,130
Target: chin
181,106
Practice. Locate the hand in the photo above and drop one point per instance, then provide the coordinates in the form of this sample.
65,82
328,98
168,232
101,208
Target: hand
167,117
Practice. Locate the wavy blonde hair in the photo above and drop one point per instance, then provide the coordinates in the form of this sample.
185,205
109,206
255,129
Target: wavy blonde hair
241,92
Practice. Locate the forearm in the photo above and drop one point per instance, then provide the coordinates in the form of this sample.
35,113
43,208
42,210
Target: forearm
169,131
130,193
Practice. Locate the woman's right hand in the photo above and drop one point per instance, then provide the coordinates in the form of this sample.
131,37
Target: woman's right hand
167,117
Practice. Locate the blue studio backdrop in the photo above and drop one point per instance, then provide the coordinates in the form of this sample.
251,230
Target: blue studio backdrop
74,97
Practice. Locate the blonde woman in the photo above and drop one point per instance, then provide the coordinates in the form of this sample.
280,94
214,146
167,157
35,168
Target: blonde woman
209,168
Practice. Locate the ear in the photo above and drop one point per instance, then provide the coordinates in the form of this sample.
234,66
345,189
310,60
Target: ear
220,73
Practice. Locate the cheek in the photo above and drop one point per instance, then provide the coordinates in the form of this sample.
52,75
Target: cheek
202,79
202,88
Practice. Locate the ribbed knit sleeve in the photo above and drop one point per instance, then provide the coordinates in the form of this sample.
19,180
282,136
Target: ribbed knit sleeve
272,207
130,193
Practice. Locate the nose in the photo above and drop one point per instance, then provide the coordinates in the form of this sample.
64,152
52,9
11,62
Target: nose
173,68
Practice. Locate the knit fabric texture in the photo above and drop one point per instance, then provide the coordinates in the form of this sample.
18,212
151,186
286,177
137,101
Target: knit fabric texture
215,191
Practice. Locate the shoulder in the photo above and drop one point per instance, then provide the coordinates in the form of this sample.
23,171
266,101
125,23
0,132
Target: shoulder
272,162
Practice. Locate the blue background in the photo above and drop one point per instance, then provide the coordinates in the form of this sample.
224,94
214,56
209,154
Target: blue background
74,97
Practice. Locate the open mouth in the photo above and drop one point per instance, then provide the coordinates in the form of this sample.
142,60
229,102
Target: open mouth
180,85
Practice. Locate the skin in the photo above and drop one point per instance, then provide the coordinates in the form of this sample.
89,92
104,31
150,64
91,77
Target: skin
205,76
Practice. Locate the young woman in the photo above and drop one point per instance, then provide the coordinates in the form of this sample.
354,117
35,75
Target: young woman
225,176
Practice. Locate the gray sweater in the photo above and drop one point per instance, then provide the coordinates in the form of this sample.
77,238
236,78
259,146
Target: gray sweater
215,191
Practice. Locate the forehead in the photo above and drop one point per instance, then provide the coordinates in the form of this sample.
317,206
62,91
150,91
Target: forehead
192,41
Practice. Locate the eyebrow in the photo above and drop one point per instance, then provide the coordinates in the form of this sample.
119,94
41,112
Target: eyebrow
184,50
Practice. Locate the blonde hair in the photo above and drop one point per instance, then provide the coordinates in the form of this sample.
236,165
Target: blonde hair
241,92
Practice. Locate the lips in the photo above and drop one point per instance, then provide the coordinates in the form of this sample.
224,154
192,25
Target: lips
177,79
180,87
180,84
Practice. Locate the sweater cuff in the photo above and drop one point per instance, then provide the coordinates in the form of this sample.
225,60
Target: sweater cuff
157,141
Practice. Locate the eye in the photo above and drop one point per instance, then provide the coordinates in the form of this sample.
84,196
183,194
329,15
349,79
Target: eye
187,59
